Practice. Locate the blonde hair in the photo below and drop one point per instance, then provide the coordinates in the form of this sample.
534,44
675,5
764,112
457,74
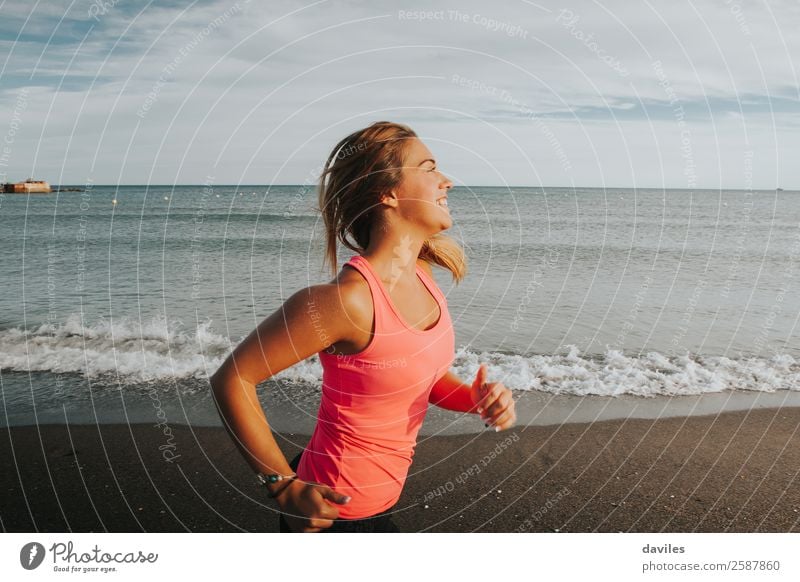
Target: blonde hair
359,170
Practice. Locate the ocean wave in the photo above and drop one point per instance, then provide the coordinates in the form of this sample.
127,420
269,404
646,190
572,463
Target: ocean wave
136,351
130,350
158,349
615,374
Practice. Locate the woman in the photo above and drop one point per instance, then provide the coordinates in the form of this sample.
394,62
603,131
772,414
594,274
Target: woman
384,338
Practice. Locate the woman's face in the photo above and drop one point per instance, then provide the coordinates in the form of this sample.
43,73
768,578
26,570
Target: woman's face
421,197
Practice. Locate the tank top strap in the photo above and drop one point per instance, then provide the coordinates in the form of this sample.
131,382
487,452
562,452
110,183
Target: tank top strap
432,286
381,310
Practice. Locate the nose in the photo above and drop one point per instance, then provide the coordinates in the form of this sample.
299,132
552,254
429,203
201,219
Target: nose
446,182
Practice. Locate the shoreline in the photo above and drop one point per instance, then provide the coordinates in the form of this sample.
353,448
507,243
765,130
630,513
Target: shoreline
734,471
534,408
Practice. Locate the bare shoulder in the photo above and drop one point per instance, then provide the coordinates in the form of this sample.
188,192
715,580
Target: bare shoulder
343,299
355,297
323,296
309,321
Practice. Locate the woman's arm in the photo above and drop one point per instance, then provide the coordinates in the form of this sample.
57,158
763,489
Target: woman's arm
307,323
492,400
451,393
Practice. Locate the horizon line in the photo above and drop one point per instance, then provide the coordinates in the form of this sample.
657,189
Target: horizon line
508,187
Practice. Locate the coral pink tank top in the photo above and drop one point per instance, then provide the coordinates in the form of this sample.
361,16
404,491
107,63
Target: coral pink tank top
374,402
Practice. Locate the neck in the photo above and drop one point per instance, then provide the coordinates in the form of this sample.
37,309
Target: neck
393,255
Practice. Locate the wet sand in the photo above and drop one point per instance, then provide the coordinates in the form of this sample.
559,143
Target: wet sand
737,471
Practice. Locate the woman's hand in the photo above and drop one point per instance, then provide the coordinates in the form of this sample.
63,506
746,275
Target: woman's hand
493,401
306,508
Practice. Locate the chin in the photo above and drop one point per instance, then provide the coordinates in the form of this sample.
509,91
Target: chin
437,224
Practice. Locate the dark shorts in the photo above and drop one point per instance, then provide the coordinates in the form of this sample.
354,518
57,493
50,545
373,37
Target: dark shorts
379,523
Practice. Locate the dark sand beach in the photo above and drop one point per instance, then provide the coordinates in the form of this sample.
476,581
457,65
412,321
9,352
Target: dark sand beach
737,471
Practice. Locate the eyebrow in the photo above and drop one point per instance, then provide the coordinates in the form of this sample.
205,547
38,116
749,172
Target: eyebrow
428,160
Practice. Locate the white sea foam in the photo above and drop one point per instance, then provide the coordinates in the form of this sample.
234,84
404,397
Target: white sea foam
158,349
614,374
150,350
146,350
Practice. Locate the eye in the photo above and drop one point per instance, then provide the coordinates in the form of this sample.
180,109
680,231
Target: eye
433,169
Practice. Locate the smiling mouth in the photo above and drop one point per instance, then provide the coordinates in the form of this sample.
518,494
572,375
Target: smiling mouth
442,202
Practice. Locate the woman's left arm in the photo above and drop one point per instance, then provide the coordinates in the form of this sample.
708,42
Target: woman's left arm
492,400
451,393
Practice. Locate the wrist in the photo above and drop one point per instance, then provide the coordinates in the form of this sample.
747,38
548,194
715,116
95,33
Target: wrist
287,492
463,401
274,483
452,394
471,400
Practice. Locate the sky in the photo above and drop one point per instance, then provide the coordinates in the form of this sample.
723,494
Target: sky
700,94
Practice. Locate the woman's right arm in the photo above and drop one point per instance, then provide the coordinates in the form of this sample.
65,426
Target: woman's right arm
307,323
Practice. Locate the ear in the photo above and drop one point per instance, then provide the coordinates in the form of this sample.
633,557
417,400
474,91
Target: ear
389,199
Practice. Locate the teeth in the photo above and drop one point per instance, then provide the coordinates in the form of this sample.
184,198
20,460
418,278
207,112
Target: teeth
442,202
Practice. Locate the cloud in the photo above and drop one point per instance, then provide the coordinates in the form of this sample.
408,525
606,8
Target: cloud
260,91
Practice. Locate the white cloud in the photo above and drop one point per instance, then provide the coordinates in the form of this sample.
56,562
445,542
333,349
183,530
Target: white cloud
214,84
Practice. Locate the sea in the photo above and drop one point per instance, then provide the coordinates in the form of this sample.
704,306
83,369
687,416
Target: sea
118,302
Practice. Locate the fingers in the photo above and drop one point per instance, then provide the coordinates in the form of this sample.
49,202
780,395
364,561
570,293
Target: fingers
479,386
322,518
315,525
501,412
318,508
496,390
331,495
325,511
504,420
480,377
308,521
493,401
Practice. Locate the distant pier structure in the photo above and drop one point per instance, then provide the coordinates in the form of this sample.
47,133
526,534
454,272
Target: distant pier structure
29,186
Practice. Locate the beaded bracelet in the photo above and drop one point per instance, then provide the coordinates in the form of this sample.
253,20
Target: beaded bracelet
274,478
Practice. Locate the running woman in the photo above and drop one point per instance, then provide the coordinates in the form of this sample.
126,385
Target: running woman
383,334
